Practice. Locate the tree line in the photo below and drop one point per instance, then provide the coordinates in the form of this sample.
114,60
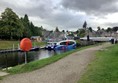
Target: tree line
13,27
82,31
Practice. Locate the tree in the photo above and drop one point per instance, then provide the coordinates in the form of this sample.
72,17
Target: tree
77,31
30,29
85,25
41,27
108,29
56,30
11,27
25,21
67,31
38,31
99,31
63,31
115,28
98,28
11,24
82,32
90,29
103,29
33,31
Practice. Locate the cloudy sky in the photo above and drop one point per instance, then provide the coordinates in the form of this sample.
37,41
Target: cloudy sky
66,14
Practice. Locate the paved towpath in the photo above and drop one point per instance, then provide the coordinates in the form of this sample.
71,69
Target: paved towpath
3,73
66,70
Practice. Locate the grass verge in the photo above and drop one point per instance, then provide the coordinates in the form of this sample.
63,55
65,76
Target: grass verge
38,43
41,63
4,44
104,69
0,78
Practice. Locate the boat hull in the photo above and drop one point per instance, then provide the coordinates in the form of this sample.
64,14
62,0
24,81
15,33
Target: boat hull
62,45
65,47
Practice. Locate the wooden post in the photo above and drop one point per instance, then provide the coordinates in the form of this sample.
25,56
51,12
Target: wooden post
13,46
18,46
6,61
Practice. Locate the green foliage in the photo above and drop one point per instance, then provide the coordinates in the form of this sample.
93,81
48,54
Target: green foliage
109,29
63,31
9,44
39,43
82,32
1,77
11,27
115,28
90,29
10,24
25,22
71,34
98,28
30,29
104,69
85,25
57,30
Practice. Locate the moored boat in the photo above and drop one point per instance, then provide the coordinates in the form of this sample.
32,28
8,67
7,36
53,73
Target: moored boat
62,45
50,45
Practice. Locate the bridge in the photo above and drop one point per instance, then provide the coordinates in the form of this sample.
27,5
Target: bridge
102,39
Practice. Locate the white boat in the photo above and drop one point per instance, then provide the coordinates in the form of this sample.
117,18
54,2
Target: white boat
61,45
50,45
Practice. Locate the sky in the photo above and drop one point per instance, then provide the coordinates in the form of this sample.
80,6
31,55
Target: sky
66,14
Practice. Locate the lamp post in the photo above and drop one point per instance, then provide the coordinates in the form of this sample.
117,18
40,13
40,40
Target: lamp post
88,39
116,35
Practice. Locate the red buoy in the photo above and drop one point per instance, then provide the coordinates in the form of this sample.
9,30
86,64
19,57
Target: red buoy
67,42
25,44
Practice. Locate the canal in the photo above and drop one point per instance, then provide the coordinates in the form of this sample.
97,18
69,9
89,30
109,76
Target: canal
16,58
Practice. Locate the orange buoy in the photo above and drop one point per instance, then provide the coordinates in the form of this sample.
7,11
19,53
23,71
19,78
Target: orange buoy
25,44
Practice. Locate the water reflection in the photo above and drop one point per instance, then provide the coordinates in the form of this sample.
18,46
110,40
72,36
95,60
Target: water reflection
44,54
18,57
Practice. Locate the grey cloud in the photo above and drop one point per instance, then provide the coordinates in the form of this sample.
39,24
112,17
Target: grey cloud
67,20
52,13
91,6
108,24
32,8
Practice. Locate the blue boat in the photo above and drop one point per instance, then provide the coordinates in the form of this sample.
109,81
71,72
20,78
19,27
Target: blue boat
62,45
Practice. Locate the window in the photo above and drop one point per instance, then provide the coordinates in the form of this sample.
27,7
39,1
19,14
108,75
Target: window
70,43
63,43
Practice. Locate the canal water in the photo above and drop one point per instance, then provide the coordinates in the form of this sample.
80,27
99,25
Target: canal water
17,58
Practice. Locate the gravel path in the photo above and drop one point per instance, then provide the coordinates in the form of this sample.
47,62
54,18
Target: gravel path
66,70
3,73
